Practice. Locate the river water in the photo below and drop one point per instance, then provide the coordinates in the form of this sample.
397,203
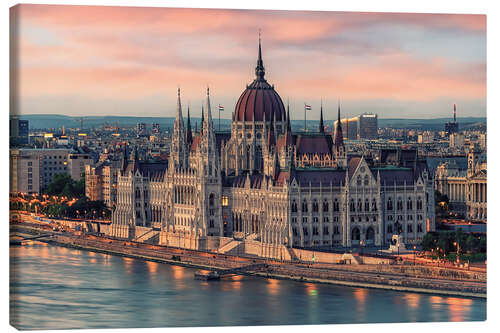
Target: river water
60,288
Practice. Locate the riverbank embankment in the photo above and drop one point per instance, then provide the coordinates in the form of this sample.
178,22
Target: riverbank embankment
392,277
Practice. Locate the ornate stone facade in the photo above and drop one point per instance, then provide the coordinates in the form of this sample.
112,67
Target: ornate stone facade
466,189
267,188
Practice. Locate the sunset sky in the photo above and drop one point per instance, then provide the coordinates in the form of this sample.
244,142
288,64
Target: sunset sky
84,60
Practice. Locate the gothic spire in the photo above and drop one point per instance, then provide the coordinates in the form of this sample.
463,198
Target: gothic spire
179,107
339,138
202,119
189,133
288,130
259,70
321,124
209,111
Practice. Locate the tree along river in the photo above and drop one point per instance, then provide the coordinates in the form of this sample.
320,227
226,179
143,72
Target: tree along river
54,287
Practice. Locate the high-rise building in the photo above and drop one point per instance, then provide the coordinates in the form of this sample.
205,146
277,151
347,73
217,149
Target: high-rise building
364,126
350,128
19,130
367,126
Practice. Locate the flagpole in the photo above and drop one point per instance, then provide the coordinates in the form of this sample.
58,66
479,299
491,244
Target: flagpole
219,117
305,122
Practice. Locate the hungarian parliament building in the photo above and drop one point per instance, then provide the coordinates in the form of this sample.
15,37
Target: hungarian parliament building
264,189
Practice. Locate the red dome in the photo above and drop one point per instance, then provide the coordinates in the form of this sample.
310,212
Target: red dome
258,99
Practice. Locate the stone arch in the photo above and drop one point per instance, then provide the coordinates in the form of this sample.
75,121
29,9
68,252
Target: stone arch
370,236
355,234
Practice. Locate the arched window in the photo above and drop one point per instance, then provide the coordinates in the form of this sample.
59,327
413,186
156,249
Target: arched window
389,204
360,205
304,207
336,206
358,180
211,200
352,205
400,204
355,234
419,203
315,206
366,181
370,234
325,206
389,229
294,206
374,205
367,205
409,204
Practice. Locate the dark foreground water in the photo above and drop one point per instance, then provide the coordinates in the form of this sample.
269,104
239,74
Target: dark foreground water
56,287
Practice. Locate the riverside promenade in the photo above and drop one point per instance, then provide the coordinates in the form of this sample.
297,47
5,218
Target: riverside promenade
414,278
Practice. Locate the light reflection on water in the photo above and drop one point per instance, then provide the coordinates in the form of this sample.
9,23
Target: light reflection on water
95,290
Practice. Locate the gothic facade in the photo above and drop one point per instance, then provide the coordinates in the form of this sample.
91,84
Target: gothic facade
466,189
268,188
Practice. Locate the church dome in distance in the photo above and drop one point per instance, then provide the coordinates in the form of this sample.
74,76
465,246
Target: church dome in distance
259,99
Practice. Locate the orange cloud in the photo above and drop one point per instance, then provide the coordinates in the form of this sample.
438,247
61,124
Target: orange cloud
127,53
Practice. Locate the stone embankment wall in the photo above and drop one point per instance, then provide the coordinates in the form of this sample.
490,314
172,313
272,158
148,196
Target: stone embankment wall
388,277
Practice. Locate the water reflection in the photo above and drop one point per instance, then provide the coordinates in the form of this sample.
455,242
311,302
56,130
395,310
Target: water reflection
311,289
273,286
152,267
412,300
178,272
91,291
457,307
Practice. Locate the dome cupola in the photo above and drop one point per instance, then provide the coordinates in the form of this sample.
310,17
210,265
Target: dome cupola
259,101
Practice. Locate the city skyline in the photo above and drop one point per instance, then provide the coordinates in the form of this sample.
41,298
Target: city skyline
127,61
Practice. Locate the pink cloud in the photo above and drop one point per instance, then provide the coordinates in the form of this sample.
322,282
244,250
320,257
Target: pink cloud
129,53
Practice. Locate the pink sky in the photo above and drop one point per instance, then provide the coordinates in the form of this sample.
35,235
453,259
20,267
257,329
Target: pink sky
88,60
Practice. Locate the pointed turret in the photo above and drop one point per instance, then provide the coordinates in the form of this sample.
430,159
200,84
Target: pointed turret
208,120
178,147
321,124
189,133
259,70
288,130
339,137
202,119
124,161
340,152
179,107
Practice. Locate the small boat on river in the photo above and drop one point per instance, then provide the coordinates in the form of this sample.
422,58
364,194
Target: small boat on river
204,275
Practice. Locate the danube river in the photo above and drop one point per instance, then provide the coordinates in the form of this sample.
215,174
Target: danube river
60,288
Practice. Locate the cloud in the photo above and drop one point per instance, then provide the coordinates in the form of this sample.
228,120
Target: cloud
125,54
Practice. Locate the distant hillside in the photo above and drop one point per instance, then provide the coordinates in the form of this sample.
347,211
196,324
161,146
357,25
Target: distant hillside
57,121
430,124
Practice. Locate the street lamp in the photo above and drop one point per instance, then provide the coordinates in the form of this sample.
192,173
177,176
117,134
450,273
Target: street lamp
414,254
438,254
457,244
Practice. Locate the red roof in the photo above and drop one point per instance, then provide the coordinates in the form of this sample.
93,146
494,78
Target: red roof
258,99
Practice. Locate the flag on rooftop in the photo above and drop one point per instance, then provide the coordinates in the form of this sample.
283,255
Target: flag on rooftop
307,107
221,108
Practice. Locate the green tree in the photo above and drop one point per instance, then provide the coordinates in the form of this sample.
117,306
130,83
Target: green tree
64,185
428,241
